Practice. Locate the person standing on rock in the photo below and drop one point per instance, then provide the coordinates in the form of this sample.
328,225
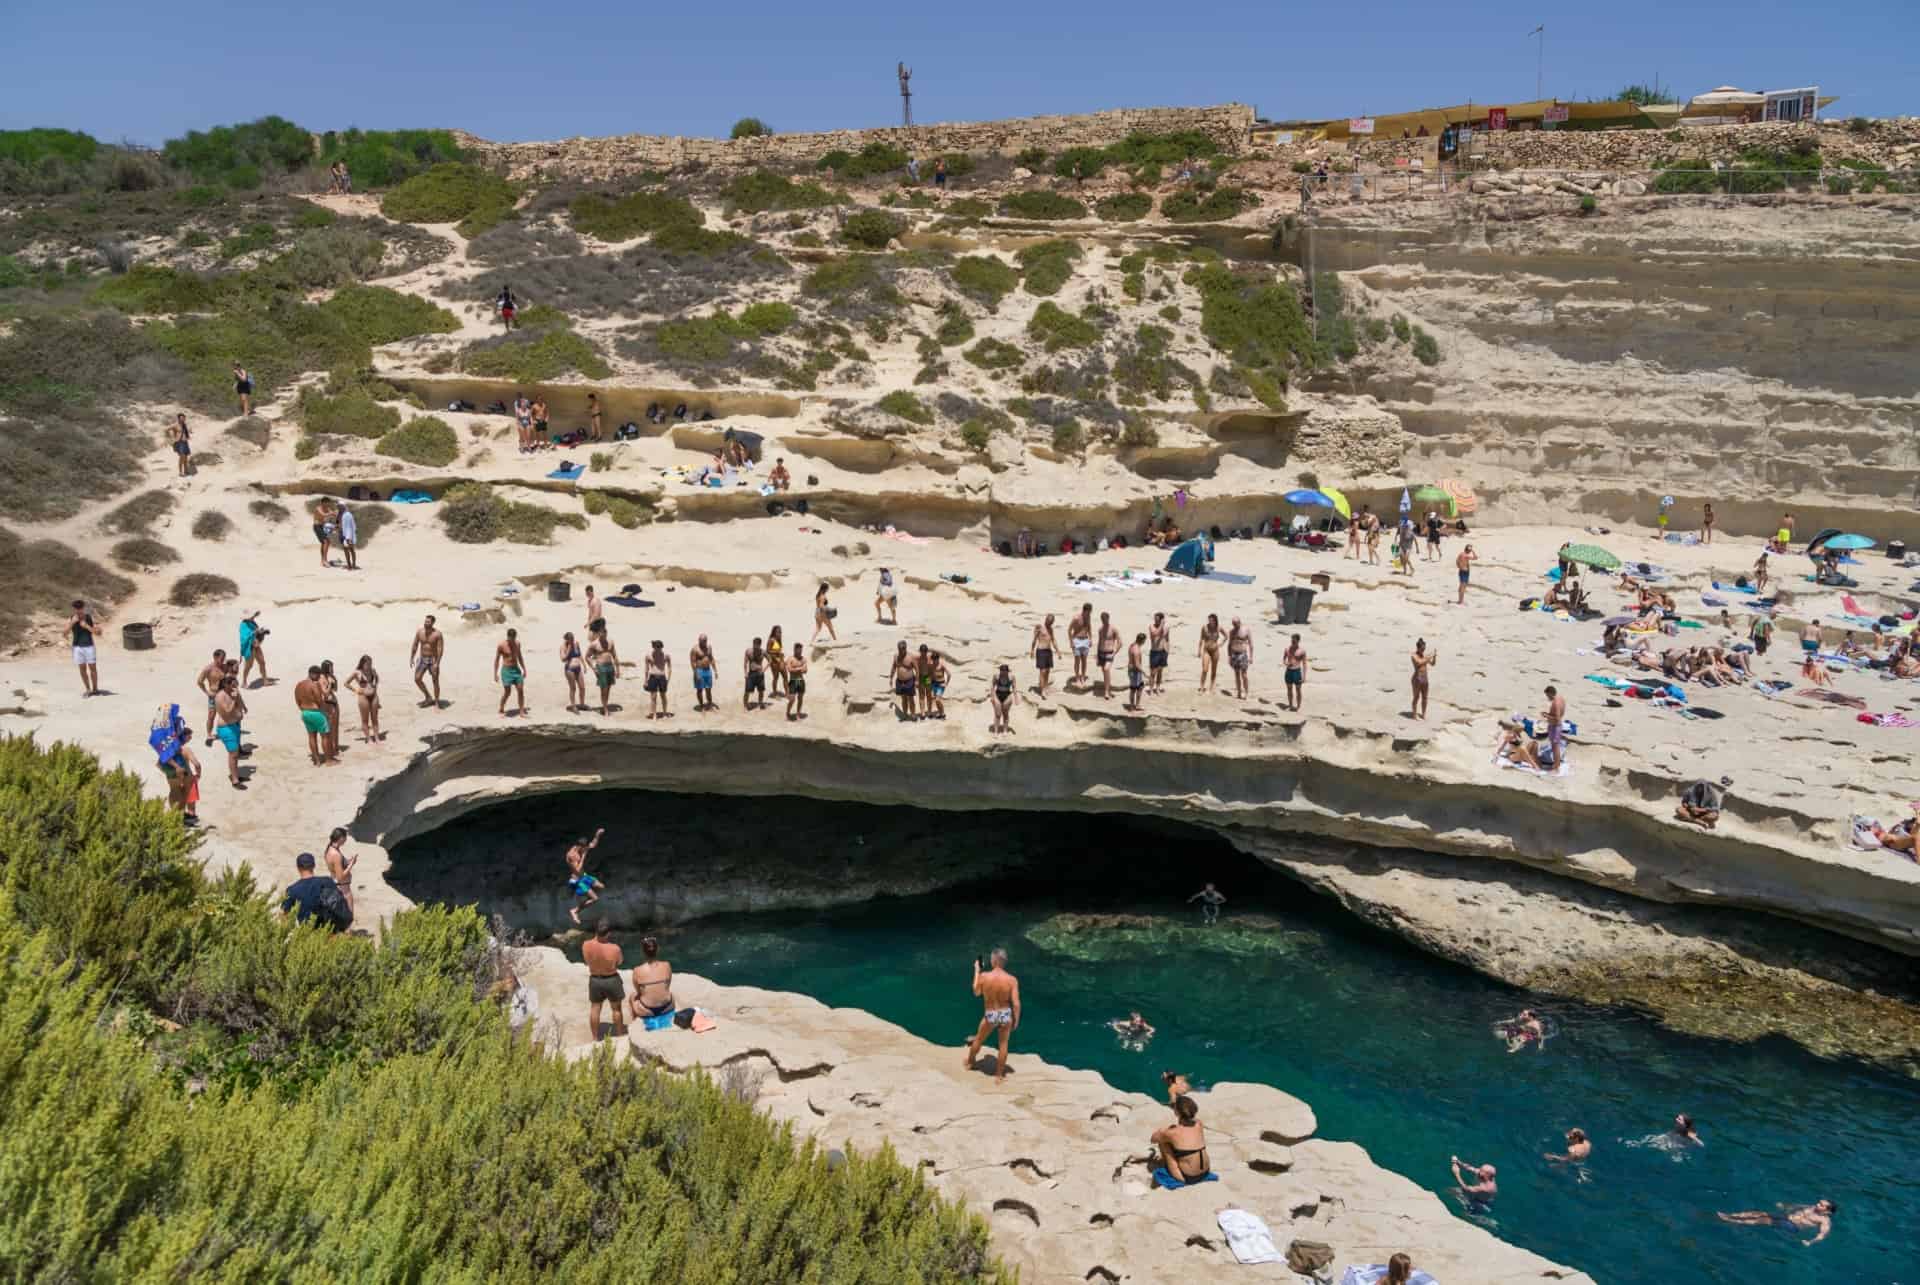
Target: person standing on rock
510,671
208,681
1105,647
823,615
1240,657
1002,692
1357,532
756,670
340,865
1556,716
1423,663
602,957
1210,653
579,882
1159,642
1080,638
901,674
657,669
797,683
349,537
86,649
1296,663
1041,649
429,647
313,715
596,614
229,707
1136,671
252,649
888,597
999,992
605,661
700,660
1464,565
242,388
1706,524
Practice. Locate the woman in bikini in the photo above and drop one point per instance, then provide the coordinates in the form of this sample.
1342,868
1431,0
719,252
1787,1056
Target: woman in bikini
1182,1145
652,984
574,667
364,683
1423,662
1041,649
243,389
606,665
330,701
1209,653
822,615
777,661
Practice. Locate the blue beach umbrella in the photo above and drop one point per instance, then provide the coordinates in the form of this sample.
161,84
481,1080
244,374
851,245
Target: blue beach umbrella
1846,542
1309,498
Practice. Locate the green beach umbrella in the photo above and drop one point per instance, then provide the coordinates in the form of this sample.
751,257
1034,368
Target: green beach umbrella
1591,555
1432,493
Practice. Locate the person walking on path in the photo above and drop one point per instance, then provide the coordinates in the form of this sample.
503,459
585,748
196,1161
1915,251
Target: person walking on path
180,440
253,648
999,992
823,615
510,671
349,537
86,647
229,708
242,388
602,957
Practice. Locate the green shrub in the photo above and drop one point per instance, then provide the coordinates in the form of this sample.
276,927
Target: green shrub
1170,313
808,240
769,318
750,127
873,159
1587,204
1193,206
1031,157
1057,328
1858,125
1266,389
995,354
1138,434
626,217
306,447
1042,205
1068,437
1402,331
452,192
699,339
1424,348
955,327
967,207
872,229
474,514
683,239
853,279
761,190
201,587
1257,324
534,358
1124,208
137,516
424,440
146,290
142,553
383,157
1134,286
212,524
352,413
906,406
1047,266
985,278
976,434
257,236
237,155
1137,150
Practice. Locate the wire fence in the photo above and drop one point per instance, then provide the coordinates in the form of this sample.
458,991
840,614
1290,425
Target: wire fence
1449,180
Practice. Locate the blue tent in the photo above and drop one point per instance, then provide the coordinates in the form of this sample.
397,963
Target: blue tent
1190,557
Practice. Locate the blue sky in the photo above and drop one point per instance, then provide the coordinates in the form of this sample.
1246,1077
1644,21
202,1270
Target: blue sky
507,69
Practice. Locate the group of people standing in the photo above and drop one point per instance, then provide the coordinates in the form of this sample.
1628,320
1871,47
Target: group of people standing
1147,655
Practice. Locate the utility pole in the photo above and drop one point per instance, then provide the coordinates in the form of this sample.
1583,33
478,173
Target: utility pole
1540,65
906,94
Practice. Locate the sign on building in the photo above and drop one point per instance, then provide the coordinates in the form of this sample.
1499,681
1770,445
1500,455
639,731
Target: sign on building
1283,139
1496,118
1791,104
1360,125
1555,115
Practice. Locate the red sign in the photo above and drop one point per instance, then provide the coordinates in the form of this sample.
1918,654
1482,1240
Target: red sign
1557,114
1496,118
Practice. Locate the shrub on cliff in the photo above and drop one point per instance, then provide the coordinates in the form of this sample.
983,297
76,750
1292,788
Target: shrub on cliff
626,217
762,190
985,278
452,192
1425,348
475,513
1137,150
871,229
1055,328
750,127
1046,266
1196,206
1123,208
530,358
873,159
423,440
383,157
1042,205
238,155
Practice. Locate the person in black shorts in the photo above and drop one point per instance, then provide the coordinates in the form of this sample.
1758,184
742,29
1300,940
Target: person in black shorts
1159,639
1433,535
756,662
243,389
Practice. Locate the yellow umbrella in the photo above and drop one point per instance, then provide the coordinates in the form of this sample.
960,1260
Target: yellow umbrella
1340,504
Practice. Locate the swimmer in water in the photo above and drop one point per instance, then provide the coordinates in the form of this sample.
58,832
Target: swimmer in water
1816,1218
1684,1133
1210,900
1525,1028
1579,1147
1132,1028
1177,1085
1477,1186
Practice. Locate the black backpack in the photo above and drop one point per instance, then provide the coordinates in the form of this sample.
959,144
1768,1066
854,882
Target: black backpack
330,908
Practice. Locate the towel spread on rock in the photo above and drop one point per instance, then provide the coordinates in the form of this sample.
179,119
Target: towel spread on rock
1248,1237
1161,1178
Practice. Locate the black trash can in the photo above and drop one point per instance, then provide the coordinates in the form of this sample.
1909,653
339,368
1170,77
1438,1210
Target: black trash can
559,590
136,637
1896,549
1294,603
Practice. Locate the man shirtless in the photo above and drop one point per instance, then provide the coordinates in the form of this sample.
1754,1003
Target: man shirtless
999,992
510,670
756,670
313,714
579,882
429,648
596,613
658,668
1080,638
230,707
1136,671
1239,656
1106,647
1159,642
1556,716
700,659
1464,565
779,479
602,957
1477,1186
1816,1218
208,681
1041,649
797,683
340,865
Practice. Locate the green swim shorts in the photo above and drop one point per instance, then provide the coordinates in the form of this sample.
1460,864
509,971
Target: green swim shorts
315,720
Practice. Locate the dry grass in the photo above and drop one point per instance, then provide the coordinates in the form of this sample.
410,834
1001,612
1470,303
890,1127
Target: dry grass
137,516
201,587
212,524
39,578
143,553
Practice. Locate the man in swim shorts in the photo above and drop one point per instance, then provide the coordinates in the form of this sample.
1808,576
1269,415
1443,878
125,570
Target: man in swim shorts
229,708
1816,1218
313,714
1556,716
1159,641
1136,673
1296,663
999,992
579,882
756,667
657,668
1106,646
1080,638
208,681
602,957
429,647
797,683
1210,899
701,661
510,670
1464,565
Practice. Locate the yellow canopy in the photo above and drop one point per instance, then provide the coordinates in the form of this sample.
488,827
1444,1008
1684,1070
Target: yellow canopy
1340,504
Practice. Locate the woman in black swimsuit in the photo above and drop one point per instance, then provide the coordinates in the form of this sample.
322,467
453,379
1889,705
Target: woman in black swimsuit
1183,1144
652,983
1001,698
243,389
823,614
576,671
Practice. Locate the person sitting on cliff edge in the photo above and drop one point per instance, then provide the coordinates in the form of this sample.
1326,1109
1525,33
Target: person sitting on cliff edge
1700,805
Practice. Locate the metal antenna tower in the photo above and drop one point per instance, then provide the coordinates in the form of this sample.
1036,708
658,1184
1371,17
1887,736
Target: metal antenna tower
906,93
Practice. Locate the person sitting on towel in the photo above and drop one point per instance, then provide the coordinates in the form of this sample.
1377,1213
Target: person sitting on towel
1182,1145
1700,805
1514,745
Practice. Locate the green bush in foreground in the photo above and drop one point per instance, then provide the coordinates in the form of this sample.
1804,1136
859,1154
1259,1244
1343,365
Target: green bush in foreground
906,406
985,278
425,440
1123,208
359,1110
383,157
1047,266
871,229
452,192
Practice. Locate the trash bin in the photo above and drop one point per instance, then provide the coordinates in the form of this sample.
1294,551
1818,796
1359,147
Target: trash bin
1293,602
1896,549
136,637
559,590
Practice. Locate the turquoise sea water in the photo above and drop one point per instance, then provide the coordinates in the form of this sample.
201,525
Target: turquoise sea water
1394,1049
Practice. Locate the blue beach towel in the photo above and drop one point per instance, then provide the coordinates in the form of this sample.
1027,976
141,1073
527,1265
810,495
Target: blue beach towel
411,497
568,474
1161,1178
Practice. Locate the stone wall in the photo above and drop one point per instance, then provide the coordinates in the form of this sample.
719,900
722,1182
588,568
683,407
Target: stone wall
594,158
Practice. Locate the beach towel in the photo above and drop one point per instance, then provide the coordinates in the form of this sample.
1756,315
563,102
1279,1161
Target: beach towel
1862,836
1887,720
1568,728
1735,588
1708,600
1161,1178
1248,1237
624,600
1372,1274
1772,686
1227,577
1559,769
568,474
411,497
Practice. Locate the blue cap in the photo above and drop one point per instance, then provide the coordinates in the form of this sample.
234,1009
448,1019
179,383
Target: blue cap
304,861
